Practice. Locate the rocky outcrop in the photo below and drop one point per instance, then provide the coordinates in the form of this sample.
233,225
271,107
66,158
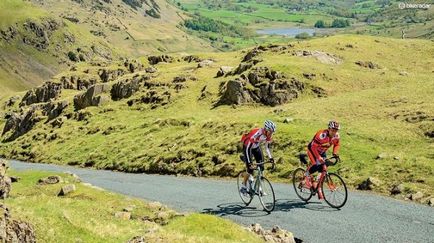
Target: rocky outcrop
205,63
107,75
261,85
124,89
133,65
40,32
92,97
77,82
5,181
44,93
241,68
54,109
19,124
12,100
153,97
191,58
12,230
157,59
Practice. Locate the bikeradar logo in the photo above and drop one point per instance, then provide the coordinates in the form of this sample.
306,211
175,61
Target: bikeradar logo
414,5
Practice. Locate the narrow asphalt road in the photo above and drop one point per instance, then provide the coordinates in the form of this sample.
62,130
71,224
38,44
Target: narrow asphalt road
365,217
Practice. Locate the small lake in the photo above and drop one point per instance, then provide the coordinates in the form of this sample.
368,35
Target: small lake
290,32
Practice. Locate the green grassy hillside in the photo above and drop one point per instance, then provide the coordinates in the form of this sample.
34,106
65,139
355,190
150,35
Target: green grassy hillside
88,215
385,110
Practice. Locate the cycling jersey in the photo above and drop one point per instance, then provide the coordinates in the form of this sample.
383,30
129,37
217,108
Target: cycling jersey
253,139
320,143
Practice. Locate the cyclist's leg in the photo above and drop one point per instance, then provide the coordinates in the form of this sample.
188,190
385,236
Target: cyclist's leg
259,157
247,151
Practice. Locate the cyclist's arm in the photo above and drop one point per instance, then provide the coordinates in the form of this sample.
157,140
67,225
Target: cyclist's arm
336,147
267,149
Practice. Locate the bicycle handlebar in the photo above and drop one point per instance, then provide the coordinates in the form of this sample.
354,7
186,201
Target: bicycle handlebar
332,161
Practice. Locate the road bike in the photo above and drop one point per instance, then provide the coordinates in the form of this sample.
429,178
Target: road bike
332,186
257,185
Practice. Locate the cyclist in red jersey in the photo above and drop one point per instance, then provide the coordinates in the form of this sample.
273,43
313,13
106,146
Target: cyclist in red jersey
316,151
251,146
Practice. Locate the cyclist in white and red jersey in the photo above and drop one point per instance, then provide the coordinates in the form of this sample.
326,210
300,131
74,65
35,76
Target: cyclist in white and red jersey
252,148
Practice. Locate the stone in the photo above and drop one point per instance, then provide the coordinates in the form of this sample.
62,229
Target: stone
288,120
123,215
205,63
382,156
397,189
92,97
15,179
431,202
369,184
124,89
44,93
12,230
65,190
416,196
223,70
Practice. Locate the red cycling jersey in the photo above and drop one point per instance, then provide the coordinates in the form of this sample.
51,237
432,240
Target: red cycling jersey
320,143
255,137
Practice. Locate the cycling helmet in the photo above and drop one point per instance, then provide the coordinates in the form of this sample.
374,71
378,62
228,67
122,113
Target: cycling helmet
334,125
270,126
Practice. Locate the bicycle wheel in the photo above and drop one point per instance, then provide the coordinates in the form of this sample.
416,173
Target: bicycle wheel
334,190
245,197
300,189
266,195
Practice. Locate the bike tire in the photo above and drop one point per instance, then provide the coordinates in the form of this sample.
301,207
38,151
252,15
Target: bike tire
266,195
246,199
333,187
302,192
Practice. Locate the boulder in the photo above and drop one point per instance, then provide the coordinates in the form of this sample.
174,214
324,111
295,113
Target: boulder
431,202
54,109
65,190
151,69
92,97
251,54
241,68
288,120
235,93
44,93
138,239
382,156
416,196
191,58
205,63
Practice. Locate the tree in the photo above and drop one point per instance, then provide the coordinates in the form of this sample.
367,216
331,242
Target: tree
319,24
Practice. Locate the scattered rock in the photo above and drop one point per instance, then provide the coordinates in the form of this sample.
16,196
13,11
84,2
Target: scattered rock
91,97
138,239
128,209
155,205
19,124
403,73
309,75
77,82
288,120
252,53
151,69
191,58
65,190
382,156
368,64
123,215
44,93
50,180
397,189
133,65
241,68
416,196
54,109
431,202
276,234
369,184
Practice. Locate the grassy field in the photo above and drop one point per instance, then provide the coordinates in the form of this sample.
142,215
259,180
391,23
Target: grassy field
88,215
385,110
